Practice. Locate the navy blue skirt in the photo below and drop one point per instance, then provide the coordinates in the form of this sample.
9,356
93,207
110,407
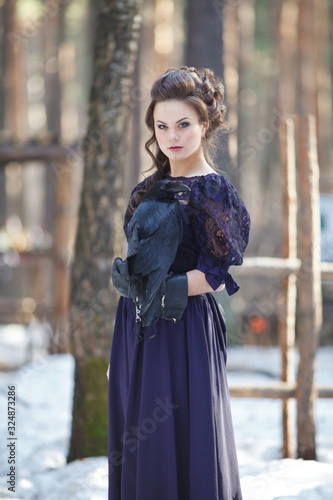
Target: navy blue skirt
170,426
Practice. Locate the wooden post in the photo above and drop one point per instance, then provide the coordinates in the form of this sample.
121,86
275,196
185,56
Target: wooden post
64,226
309,316
286,52
287,316
324,92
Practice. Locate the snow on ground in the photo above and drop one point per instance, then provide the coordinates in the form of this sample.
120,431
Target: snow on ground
44,387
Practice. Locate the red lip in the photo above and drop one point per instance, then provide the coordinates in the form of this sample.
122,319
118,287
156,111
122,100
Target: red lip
176,148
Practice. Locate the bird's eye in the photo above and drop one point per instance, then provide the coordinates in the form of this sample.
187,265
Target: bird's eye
184,124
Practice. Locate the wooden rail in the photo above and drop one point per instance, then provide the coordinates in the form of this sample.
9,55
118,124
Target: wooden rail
268,266
275,266
33,152
277,390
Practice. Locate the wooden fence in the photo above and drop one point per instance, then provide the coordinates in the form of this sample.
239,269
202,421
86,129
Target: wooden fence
301,272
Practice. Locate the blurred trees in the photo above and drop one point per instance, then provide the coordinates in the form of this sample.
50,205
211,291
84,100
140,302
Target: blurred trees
274,54
204,49
45,68
278,61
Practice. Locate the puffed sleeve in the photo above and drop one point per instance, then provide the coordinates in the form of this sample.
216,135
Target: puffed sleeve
221,225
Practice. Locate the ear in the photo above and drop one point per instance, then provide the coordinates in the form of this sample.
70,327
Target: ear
204,127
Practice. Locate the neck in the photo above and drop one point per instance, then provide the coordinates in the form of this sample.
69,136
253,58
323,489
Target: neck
192,165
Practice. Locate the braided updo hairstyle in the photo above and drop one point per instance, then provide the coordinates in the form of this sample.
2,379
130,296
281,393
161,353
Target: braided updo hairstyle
201,89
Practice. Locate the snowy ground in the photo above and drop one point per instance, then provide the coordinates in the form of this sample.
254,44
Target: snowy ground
44,388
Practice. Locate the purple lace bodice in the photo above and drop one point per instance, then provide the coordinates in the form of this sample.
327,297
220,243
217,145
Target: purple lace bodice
215,230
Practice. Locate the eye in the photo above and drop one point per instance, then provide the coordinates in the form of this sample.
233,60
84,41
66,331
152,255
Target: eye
184,124
161,127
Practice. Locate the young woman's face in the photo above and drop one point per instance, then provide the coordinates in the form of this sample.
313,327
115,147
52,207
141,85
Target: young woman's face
177,129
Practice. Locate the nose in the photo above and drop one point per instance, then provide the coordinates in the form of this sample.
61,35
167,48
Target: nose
173,136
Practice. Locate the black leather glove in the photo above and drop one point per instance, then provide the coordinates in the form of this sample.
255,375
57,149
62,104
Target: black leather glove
128,286
120,278
173,295
170,299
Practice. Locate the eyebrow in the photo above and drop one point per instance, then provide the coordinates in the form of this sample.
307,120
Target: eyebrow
185,118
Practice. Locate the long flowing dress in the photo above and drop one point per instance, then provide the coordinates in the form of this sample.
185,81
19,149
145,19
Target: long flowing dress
170,426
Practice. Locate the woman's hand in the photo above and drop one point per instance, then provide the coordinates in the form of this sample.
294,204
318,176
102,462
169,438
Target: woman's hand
197,283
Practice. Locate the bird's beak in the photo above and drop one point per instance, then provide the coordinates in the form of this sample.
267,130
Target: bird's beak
177,187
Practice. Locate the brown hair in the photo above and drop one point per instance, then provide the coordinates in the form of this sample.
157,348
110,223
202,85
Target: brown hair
205,93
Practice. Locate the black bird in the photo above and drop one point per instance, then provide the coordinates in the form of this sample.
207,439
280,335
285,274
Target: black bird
154,234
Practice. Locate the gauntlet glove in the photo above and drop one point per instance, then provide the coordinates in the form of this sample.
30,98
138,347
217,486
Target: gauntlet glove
173,295
169,302
128,286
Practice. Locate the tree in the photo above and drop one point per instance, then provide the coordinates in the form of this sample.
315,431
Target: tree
3,67
93,300
204,49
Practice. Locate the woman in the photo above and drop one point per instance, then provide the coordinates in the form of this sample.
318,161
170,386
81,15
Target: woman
170,427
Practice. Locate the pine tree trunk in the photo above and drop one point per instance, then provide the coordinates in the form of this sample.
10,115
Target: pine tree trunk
52,34
93,299
3,70
204,49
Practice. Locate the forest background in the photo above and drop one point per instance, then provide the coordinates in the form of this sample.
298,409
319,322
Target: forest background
60,75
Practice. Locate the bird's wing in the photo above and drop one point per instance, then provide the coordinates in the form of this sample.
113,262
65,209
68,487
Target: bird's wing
133,241
148,313
166,257
143,224
160,247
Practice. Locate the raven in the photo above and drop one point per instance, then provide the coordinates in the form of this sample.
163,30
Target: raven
154,234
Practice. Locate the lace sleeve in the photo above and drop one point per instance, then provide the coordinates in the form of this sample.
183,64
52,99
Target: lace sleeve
221,224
